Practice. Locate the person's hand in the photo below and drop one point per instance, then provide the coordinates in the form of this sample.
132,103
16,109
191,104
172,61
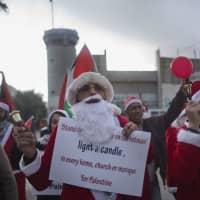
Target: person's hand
129,128
25,141
186,87
193,114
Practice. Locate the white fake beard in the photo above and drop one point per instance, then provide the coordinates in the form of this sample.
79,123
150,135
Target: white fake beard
96,119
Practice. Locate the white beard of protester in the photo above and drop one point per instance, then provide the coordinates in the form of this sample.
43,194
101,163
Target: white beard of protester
96,118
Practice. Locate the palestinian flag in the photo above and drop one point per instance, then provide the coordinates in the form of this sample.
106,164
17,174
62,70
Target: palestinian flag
84,62
29,122
62,103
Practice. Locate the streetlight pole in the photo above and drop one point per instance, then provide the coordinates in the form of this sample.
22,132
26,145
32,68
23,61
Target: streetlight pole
52,13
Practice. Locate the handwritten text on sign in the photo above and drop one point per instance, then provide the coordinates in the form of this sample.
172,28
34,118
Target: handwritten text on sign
104,167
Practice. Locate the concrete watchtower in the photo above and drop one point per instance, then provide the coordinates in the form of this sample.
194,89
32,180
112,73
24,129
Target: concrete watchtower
61,52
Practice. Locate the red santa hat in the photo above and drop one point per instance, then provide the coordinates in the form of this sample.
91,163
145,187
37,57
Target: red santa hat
181,120
87,78
195,96
195,91
4,106
131,100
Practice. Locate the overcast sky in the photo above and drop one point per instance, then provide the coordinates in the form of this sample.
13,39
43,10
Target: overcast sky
129,30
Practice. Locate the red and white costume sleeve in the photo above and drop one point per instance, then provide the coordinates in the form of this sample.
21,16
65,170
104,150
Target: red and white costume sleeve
7,140
38,170
37,173
183,168
8,145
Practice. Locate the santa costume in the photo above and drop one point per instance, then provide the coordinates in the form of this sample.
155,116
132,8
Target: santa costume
7,141
183,168
37,170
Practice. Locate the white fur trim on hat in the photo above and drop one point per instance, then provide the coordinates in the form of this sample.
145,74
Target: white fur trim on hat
132,101
116,109
180,120
86,78
4,106
56,111
196,96
189,137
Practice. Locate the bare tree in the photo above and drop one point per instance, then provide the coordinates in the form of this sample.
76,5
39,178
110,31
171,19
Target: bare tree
3,6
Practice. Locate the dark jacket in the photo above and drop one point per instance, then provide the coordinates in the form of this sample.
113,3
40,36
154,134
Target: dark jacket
157,125
8,188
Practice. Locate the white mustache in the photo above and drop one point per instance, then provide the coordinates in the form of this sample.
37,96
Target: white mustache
93,99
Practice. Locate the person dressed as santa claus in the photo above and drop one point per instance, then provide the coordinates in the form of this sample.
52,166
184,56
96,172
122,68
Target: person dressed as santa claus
183,169
10,147
90,96
52,122
157,125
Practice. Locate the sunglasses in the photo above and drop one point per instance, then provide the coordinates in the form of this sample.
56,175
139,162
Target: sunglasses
88,87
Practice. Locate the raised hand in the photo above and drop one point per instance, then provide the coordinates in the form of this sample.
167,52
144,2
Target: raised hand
186,87
25,141
129,128
193,113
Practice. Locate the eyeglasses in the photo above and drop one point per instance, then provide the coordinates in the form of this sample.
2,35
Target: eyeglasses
88,87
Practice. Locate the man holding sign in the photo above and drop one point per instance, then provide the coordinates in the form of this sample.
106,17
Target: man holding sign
157,125
92,142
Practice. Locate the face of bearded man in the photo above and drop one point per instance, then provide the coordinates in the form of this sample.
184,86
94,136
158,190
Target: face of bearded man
96,119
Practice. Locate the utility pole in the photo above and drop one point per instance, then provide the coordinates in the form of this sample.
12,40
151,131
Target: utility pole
3,6
52,13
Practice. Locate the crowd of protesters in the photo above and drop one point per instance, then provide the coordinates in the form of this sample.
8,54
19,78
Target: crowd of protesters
174,150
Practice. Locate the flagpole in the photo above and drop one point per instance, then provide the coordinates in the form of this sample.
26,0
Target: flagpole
52,13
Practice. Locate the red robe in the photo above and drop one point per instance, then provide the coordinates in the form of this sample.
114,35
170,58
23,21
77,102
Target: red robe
183,170
40,179
9,147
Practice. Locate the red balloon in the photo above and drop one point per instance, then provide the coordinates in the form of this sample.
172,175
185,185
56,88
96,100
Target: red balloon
181,67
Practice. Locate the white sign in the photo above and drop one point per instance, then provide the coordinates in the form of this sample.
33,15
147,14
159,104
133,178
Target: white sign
104,167
54,189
